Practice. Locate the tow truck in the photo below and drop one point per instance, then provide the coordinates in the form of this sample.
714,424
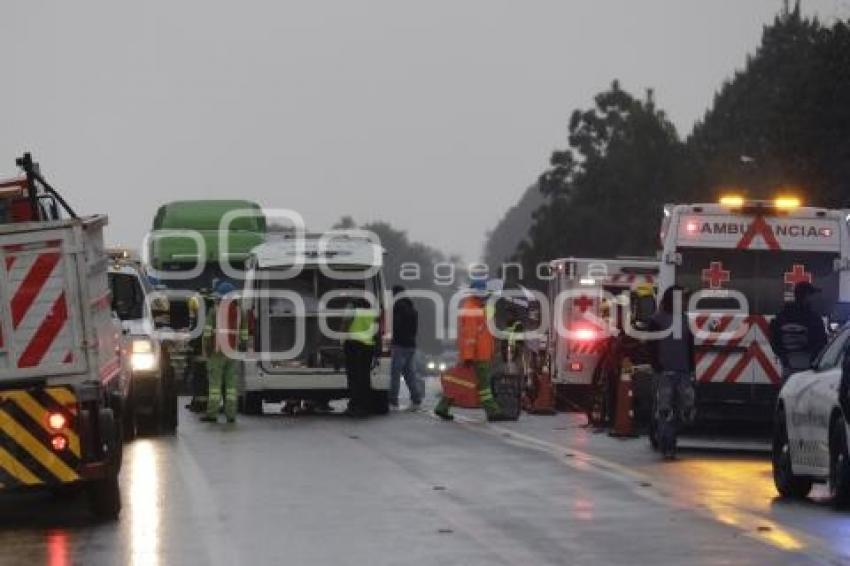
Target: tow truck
151,406
741,259
62,376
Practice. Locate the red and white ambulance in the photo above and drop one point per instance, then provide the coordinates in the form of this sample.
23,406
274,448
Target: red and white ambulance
583,296
751,252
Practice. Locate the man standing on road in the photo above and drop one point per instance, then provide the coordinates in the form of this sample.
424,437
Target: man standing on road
797,333
475,349
359,354
673,362
220,333
403,350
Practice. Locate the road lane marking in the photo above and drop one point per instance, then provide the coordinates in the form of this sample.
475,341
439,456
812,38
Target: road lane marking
754,526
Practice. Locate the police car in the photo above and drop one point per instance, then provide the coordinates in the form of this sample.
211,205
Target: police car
810,428
151,406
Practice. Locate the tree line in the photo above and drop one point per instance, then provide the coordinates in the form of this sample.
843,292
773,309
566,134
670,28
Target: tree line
781,123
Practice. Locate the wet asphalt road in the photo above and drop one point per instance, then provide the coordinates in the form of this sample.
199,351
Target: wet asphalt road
408,489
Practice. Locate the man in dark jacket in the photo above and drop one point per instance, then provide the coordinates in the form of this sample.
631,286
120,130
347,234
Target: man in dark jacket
673,361
797,333
403,350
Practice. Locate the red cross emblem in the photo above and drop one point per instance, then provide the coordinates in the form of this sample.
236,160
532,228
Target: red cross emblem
798,274
583,303
715,275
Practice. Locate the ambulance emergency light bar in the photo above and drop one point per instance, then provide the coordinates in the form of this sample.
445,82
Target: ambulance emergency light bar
783,203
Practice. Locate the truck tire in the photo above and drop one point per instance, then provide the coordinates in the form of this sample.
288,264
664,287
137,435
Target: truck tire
250,403
169,403
128,420
379,402
150,424
105,498
112,438
507,391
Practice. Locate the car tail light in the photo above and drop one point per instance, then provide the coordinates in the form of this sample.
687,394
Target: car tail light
56,421
59,443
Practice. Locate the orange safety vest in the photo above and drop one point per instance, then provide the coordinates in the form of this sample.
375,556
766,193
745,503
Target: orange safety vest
474,341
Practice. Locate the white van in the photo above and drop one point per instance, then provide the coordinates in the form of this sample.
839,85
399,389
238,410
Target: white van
285,308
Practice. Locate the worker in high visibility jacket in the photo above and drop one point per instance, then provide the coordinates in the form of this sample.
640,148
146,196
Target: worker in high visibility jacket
221,338
475,349
359,348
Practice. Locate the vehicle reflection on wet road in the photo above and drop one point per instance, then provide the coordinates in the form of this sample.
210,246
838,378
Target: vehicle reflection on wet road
408,489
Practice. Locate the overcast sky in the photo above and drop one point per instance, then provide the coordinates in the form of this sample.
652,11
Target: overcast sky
433,115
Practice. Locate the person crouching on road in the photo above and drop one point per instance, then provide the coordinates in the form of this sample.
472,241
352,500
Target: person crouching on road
797,333
673,361
359,349
221,332
475,349
403,350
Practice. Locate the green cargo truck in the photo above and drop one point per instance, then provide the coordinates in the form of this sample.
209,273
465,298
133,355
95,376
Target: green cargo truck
192,245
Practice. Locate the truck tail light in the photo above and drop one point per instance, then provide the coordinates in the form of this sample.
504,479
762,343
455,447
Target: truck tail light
576,367
59,443
56,421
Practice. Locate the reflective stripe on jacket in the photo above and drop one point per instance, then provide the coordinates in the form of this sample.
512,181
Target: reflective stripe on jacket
226,331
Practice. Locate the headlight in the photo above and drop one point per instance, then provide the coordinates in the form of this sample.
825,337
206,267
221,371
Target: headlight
432,365
142,357
443,366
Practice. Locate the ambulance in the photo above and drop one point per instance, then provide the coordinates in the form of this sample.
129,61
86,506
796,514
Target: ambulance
741,258
583,297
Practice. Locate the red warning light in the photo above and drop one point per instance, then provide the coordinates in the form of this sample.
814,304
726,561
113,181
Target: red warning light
59,443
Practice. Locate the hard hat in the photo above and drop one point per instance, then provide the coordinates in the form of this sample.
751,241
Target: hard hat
644,290
478,285
194,304
224,287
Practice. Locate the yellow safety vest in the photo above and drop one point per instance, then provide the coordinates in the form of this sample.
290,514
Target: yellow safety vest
363,327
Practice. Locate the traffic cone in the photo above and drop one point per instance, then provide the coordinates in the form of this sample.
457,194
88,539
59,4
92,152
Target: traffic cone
543,402
624,420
